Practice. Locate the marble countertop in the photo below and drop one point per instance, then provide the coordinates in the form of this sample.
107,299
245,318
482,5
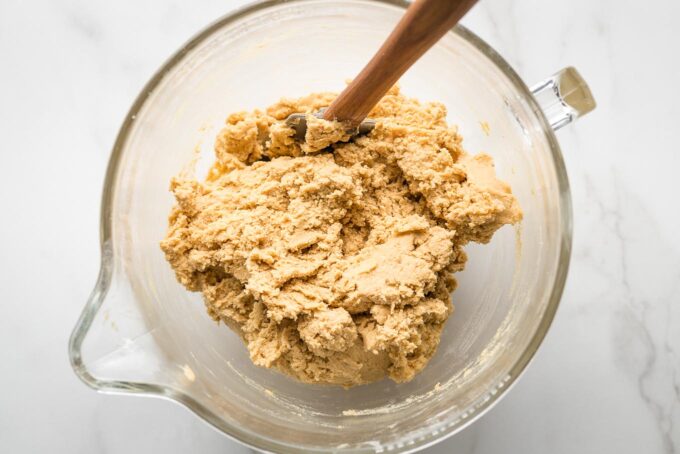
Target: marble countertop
69,70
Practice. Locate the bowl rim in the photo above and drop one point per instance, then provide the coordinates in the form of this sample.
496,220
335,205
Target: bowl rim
241,434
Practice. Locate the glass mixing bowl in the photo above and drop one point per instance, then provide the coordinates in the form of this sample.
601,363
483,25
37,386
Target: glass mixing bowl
141,332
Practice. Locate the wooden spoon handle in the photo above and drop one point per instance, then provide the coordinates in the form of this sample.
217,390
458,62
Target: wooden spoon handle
423,24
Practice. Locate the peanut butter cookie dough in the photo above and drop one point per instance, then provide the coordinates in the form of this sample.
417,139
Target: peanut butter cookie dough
333,259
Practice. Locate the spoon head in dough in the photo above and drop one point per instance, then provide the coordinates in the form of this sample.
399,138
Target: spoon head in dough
298,121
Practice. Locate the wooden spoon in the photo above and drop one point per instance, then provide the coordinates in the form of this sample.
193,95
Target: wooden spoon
423,24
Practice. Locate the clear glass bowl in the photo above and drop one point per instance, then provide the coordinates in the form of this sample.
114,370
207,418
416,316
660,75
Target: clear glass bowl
141,332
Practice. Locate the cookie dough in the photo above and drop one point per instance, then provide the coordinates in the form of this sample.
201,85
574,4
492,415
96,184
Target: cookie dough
333,258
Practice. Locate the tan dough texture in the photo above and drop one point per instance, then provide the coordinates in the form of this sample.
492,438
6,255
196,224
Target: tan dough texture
335,264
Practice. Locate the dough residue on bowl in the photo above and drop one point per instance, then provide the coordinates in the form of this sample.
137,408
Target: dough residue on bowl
333,258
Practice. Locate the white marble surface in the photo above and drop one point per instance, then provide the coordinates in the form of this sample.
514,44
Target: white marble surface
607,378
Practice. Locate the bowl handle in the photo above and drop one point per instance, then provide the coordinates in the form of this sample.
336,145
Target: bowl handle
563,97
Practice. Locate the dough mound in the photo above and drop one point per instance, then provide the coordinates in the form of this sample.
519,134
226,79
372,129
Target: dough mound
333,259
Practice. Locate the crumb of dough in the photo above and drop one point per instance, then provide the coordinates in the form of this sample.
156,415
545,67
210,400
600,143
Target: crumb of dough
332,258
486,129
